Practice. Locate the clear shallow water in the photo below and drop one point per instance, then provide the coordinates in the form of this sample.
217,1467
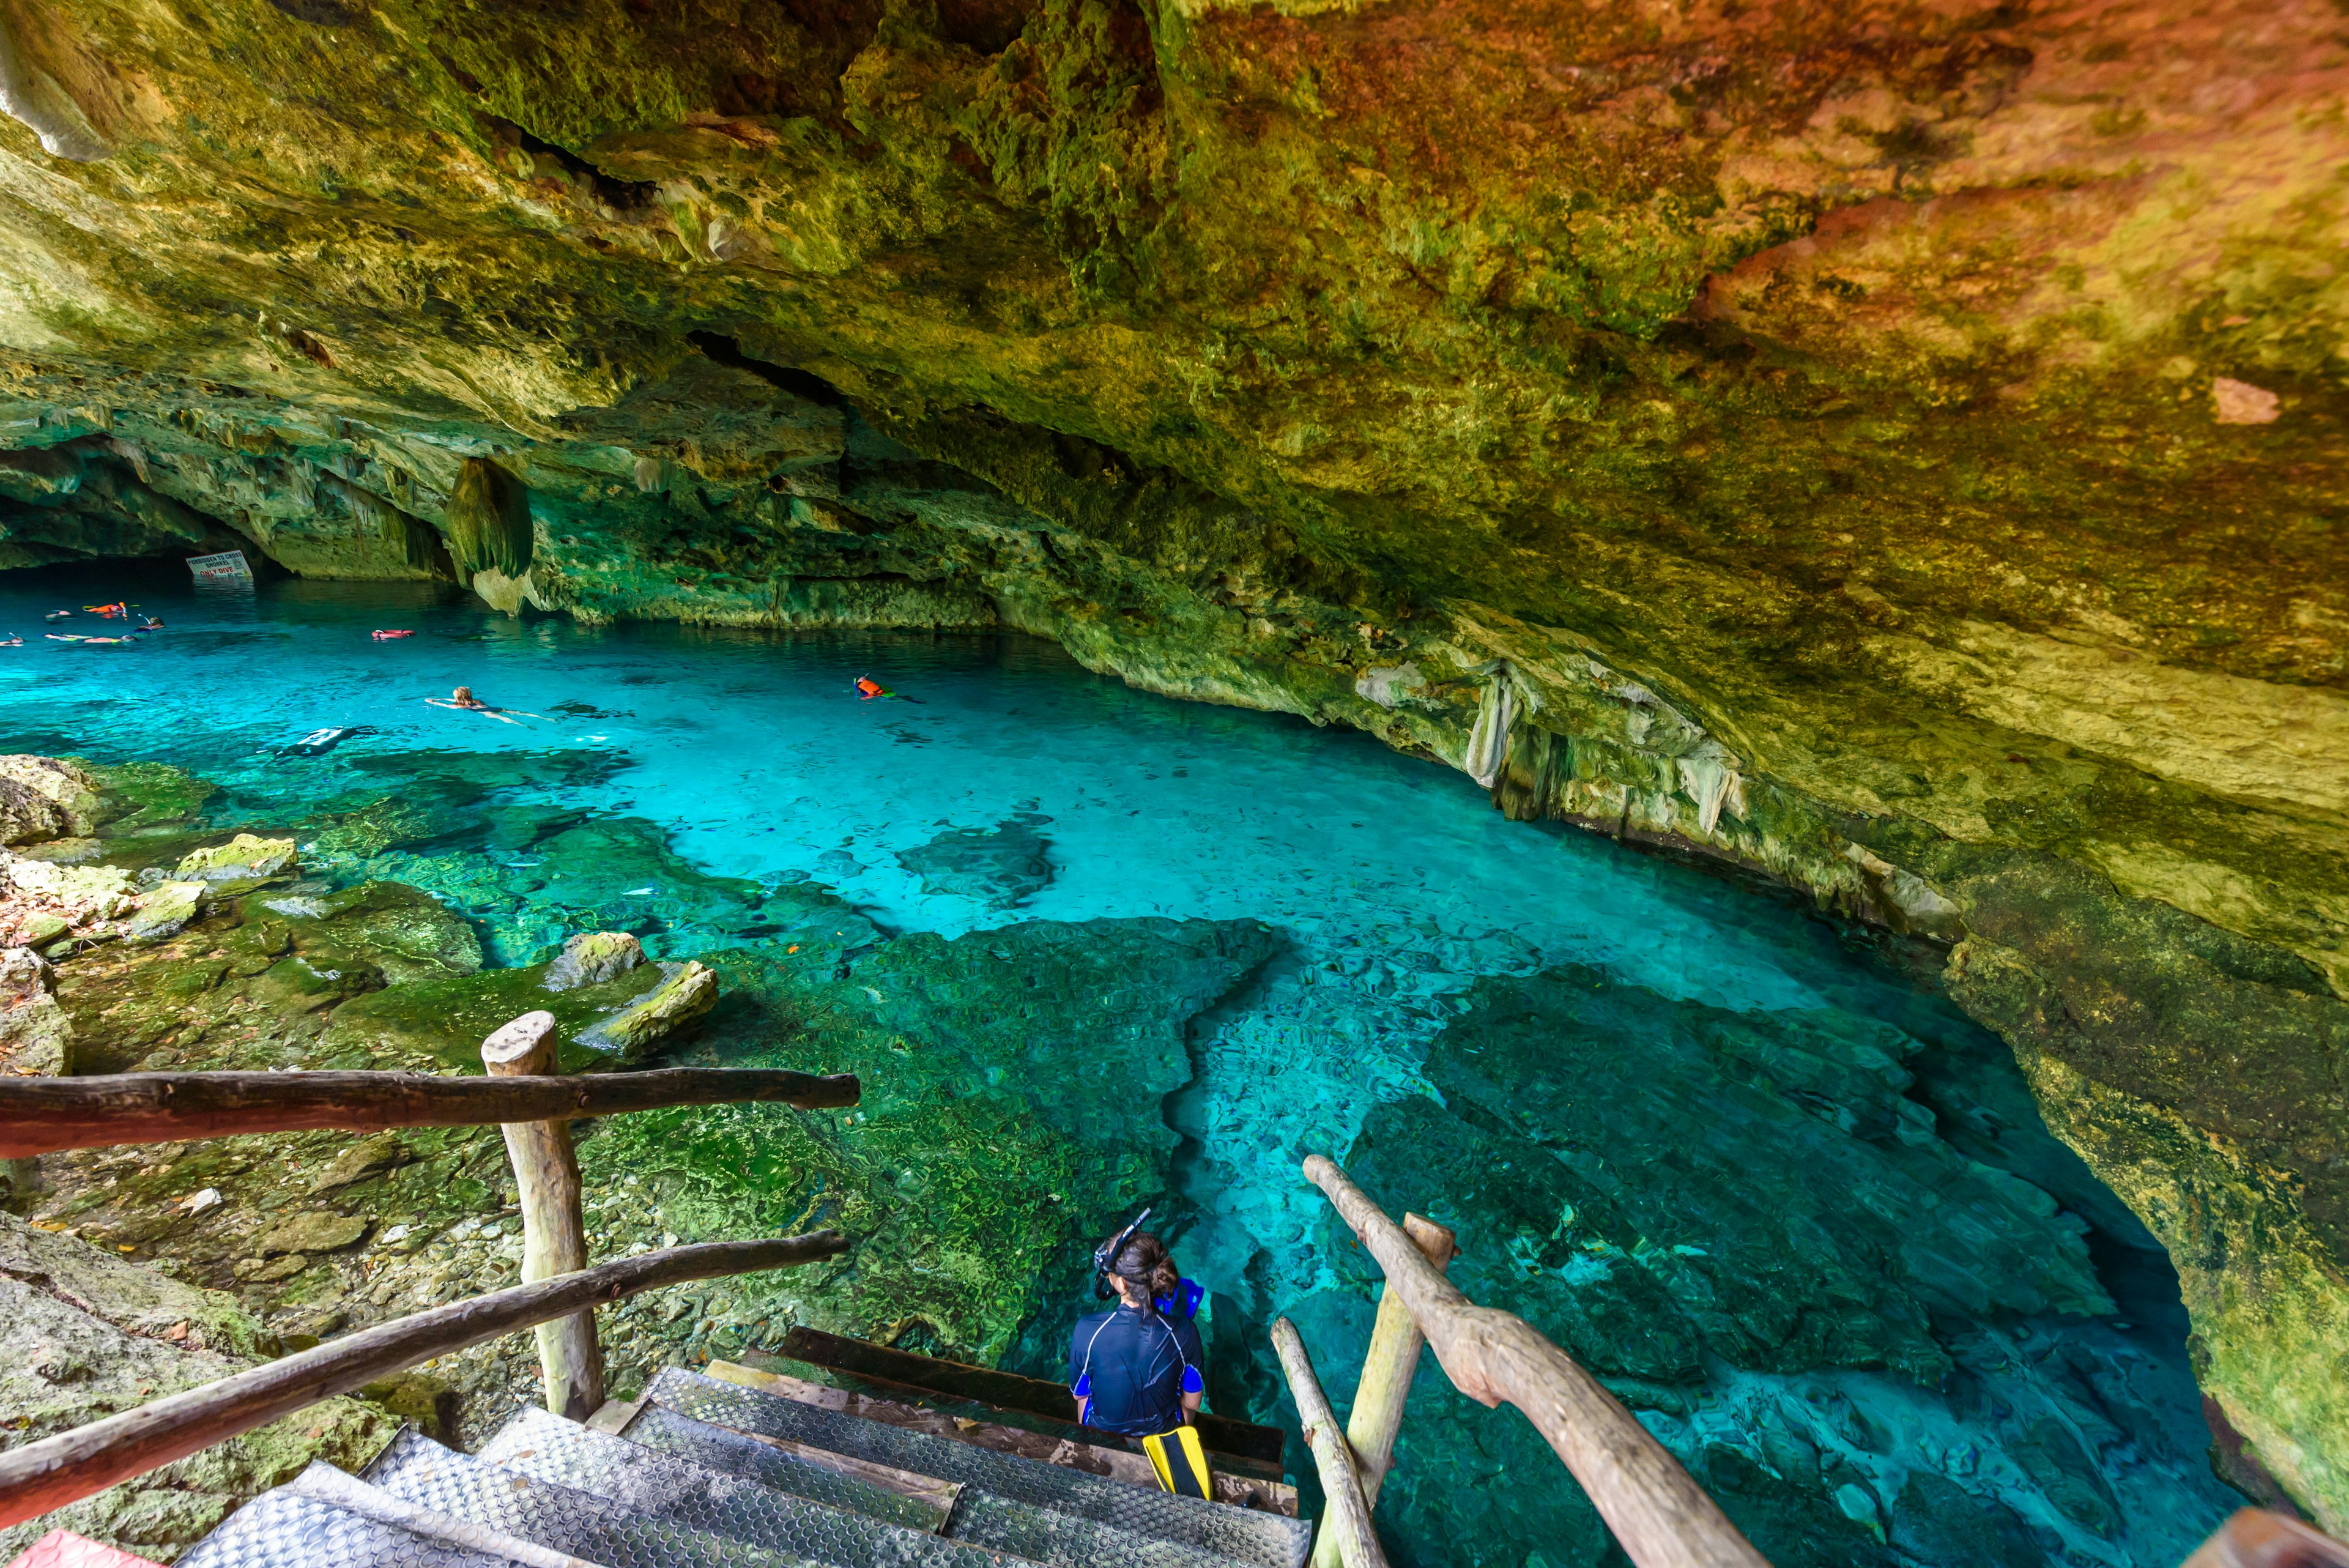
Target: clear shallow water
1395,884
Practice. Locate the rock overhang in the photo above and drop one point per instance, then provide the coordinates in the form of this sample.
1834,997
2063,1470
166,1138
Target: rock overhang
1895,452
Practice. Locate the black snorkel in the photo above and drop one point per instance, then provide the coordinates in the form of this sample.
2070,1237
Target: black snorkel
1188,1294
1105,1257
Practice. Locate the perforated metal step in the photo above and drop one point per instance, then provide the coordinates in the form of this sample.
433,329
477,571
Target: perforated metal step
980,1519
547,1448
283,1530
416,1470
1013,1504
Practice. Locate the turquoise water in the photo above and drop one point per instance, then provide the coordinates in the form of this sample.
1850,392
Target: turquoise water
1395,885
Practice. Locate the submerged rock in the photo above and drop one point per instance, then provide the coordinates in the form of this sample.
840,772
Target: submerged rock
139,799
1000,866
165,909
366,1158
448,1018
407,934
311,1233
1747,1226
1014,1085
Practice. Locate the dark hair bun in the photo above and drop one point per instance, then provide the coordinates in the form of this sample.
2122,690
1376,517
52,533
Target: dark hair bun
1145,1259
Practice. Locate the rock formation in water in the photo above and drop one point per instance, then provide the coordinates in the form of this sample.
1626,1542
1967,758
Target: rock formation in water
1896,450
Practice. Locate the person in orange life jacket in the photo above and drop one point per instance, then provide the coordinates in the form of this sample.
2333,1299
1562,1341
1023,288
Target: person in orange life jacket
1136,1368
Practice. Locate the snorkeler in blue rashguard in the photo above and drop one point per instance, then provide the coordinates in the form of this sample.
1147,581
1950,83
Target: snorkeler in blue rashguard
1136,1369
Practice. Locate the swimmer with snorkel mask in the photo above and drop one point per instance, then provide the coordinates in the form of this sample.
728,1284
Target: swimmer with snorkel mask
1138,1368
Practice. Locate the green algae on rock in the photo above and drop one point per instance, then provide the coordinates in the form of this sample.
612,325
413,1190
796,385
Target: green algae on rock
1010,1113
246,861
658,1018
86,1335
446,1020
44,798
36,1034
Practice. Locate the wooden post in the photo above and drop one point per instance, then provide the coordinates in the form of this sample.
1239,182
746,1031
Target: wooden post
553,1229
1346,1518
1395,1343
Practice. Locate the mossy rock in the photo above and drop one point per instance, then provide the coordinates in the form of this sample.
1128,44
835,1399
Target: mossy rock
407,934
148,797
449,1018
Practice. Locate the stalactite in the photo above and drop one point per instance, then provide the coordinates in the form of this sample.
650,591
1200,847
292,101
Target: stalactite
1526,788
1488,742
488,521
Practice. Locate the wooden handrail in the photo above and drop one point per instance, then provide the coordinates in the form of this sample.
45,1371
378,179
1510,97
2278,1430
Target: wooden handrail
55,1472
1659,1515
1347,1520
43,1115
2255,1538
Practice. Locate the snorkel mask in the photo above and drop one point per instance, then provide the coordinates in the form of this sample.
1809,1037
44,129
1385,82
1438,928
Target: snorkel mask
1105,1257
1184,1303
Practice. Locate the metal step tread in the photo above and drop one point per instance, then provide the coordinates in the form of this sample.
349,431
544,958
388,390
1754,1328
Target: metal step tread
981,1519
1212,1529
546,1448
282,1529
416,1470
539,1442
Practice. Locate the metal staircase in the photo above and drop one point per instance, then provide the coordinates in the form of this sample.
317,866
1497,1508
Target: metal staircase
707,1474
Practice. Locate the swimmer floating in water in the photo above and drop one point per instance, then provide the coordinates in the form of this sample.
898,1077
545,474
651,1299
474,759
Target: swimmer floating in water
868,688
463,700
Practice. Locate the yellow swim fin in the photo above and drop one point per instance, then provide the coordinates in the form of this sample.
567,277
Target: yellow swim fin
1180,1461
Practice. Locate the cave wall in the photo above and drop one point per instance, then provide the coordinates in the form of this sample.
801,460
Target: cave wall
1894,448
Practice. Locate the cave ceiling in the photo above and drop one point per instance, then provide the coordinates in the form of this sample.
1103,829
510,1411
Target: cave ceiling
1893,448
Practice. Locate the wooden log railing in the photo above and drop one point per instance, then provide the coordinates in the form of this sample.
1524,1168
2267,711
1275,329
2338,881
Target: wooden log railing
45,1115
1659,1514
54,1472
1347,1519
1376,1418
557,1297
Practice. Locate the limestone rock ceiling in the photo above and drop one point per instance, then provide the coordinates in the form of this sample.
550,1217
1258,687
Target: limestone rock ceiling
1894,447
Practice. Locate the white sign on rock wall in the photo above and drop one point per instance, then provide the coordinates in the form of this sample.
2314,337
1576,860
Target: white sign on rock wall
228,567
